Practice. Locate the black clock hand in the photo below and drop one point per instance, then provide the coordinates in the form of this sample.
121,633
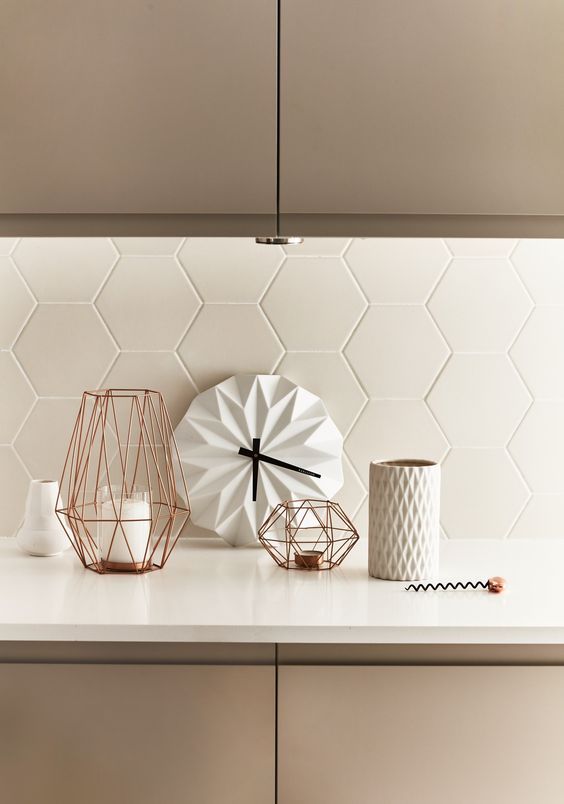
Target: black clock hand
275,462
255,455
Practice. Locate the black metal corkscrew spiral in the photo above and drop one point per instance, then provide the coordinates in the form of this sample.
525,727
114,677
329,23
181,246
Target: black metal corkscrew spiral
494,585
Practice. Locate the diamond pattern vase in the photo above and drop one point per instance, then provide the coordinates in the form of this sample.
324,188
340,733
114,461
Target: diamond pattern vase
403,529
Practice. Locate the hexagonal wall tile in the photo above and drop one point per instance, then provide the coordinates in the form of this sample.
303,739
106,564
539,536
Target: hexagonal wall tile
43,441
543,518
147,303
538,445
16,303
14,483
479,400
16,399
397,269
147,246
480,304
227,339
480,246
64,349
482,494
397,351
318,247
352,493
229,269
328,375
540,264
391,429
64,269
159,371
313,303
538,352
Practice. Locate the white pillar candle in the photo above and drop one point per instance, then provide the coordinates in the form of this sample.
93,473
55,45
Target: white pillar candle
134,522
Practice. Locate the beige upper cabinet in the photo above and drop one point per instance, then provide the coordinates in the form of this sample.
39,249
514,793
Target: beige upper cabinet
406,108
137,107
398,117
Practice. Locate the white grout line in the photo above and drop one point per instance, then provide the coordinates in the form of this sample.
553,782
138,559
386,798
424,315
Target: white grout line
25,420
437,282
270,282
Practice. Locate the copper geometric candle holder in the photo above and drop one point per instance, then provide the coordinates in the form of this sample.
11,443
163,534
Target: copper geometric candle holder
118,496
308,534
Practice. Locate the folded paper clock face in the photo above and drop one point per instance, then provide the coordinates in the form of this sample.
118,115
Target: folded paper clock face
251,442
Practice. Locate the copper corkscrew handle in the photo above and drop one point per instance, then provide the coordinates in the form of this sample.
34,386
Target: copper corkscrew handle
494,585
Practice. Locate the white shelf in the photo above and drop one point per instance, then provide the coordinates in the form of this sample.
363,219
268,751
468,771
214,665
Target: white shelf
209,592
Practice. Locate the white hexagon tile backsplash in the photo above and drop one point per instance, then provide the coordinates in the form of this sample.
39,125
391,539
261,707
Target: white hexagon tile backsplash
429,348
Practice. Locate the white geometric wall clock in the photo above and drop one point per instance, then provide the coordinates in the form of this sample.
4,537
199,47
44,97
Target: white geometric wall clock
251,442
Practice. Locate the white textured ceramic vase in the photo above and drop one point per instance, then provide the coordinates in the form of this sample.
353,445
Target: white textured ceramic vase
41,533
403,530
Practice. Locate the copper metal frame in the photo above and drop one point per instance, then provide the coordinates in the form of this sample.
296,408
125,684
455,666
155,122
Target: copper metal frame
308,534
123,440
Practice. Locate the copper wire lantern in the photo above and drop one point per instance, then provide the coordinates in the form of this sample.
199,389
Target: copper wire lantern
308,534
123,497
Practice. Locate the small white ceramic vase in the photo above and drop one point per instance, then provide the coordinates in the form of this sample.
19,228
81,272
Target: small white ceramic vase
403,527
41,533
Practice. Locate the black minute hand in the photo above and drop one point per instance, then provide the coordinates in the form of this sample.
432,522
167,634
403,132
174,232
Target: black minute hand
275,462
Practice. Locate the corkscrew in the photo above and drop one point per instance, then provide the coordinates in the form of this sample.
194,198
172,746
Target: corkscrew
494,585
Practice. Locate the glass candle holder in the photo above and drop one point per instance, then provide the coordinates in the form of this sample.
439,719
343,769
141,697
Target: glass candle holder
124,527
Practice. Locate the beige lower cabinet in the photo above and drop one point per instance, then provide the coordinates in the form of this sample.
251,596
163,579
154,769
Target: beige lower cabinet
421,735
136,734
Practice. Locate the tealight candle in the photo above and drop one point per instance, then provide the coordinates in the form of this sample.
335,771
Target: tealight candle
309,559
130,535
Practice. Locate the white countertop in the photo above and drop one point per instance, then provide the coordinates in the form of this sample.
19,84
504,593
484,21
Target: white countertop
209,592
